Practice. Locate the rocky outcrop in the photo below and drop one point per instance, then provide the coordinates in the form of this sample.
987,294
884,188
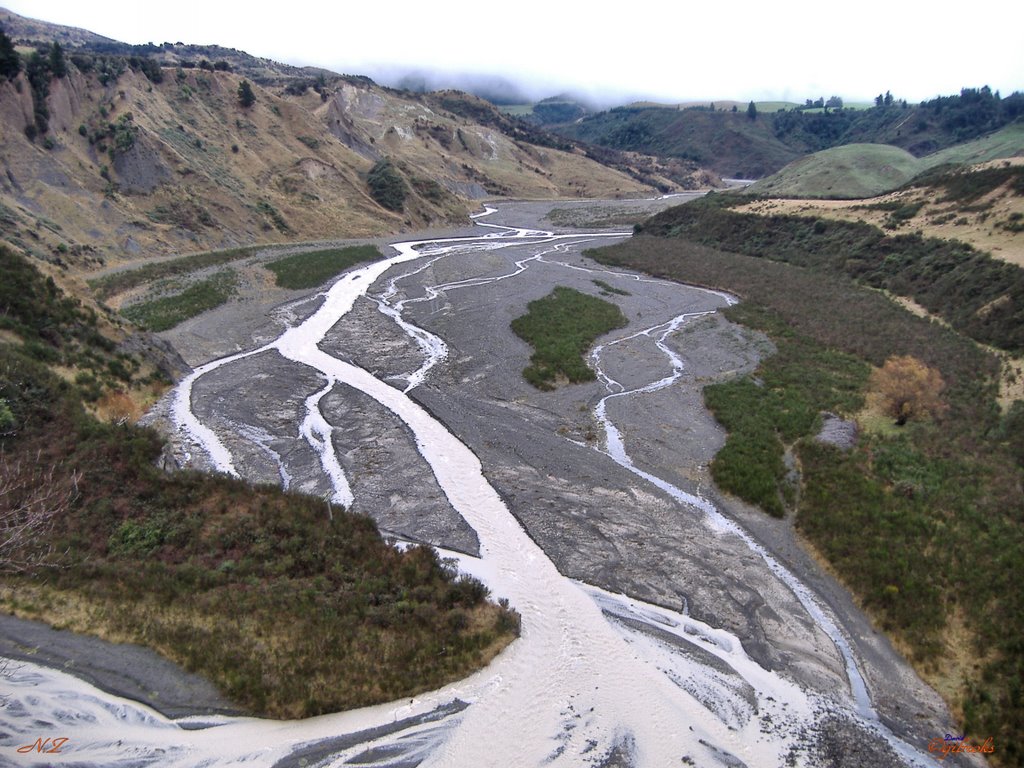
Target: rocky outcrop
837,431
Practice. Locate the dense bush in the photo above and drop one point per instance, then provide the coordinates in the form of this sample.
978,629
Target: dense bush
769,413
561,327
246,97
166,312
387,186
10,62
53,327
312,268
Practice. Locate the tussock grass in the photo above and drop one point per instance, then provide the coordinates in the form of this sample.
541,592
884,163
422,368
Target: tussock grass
313,268
561,327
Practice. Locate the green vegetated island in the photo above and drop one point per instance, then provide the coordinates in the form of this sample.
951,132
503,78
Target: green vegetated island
312,268
561,327
923,516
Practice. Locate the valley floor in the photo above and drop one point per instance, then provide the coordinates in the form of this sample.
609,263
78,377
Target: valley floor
651,527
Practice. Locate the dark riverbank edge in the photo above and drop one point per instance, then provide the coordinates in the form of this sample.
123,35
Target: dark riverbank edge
122,669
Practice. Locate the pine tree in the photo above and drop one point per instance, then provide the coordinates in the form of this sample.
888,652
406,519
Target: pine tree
58,67
245,95
10,62
752,111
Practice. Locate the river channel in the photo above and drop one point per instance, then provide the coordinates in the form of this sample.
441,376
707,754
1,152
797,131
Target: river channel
663,624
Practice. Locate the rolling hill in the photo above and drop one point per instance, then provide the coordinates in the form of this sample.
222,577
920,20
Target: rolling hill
857,171
850,171
733,144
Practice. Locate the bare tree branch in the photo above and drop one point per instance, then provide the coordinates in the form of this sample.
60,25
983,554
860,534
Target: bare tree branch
31,498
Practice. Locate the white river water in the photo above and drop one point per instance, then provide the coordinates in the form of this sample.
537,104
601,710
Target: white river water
595,679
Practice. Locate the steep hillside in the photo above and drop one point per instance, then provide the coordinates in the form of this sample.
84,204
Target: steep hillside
729,143
33,32
138,160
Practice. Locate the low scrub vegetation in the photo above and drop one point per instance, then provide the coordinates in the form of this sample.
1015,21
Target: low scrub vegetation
313,268
768,413
969,187
54,329
607,288
561,327
291,608
923,522
167,311
978,295
118,282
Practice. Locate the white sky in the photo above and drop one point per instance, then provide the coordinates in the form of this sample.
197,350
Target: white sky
716,49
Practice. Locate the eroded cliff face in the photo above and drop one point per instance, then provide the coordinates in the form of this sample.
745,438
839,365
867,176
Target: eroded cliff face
130,169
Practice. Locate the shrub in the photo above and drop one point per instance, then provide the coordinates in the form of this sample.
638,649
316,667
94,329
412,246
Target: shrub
909,389
387,186
246,97
561,327
167,311
285,610
10,62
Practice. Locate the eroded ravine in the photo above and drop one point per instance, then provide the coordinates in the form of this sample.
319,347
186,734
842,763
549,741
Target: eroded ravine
596,677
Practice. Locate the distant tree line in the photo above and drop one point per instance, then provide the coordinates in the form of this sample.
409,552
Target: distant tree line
833,102
106,61
300,85
924,128
699,135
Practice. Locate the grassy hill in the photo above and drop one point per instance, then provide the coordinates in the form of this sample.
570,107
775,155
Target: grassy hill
850,171
1006,142
856,171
